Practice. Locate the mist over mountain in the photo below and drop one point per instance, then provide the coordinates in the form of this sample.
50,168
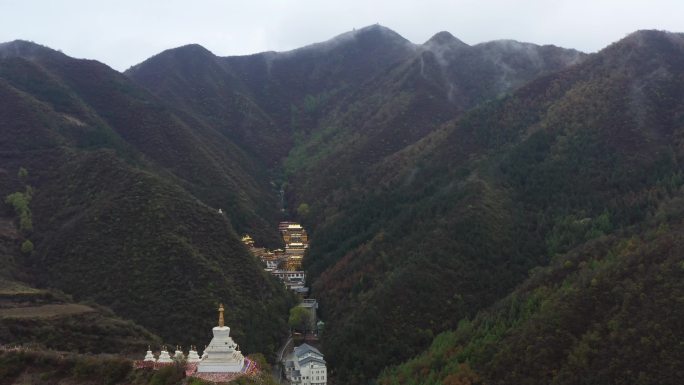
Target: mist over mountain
494,213
513,184
370,87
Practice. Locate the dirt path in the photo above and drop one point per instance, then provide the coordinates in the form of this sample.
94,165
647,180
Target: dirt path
45,311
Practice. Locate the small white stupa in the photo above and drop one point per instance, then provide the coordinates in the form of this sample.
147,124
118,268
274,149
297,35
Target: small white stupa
193,356
178,355
149,357
221,356
164,357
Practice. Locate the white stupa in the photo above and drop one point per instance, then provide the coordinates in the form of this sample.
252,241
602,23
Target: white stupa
164,357
221,356
149,357
192,355
178,355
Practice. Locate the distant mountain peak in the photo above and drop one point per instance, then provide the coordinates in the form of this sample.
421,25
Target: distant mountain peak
644,44
648,37
19,43
194,47
445,38
188,50
510,44
185,53
25,49
651,33
381,29
375,34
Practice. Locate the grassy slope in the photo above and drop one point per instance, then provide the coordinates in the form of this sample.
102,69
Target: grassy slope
52,320
69,327
34,367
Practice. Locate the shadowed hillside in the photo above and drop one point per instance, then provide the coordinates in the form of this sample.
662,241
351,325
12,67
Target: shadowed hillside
343,109
398,108
328,111
98,107
123,196
587,318
465,213
256,99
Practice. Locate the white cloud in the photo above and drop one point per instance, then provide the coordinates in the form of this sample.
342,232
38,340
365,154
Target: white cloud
124,32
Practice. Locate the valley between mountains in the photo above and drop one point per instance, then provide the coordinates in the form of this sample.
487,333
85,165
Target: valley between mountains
498,213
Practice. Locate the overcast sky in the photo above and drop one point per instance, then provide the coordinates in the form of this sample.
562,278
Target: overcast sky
122,33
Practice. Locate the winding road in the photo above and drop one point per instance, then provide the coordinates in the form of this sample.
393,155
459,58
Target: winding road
277,371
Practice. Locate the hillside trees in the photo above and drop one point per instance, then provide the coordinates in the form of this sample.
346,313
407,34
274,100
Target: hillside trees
588,317
127,188
513,184
20,202
300,318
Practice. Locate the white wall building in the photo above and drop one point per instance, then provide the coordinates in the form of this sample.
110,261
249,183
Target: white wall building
306,366
288,275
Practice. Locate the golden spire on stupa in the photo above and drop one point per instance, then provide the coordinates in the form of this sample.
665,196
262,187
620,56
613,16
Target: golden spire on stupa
221,310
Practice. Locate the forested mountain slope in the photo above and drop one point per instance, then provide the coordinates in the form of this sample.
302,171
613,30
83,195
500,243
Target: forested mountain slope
609,311
343,103
341,110
436,179
456,221
123,199
50,319
119,114
256,99
388,113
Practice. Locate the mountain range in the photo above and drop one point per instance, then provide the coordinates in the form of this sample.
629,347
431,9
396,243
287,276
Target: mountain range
496,213
124,201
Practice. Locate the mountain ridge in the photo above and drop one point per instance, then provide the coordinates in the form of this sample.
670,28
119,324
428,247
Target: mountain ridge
560,145
24,48
331,125
108,162
450,191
